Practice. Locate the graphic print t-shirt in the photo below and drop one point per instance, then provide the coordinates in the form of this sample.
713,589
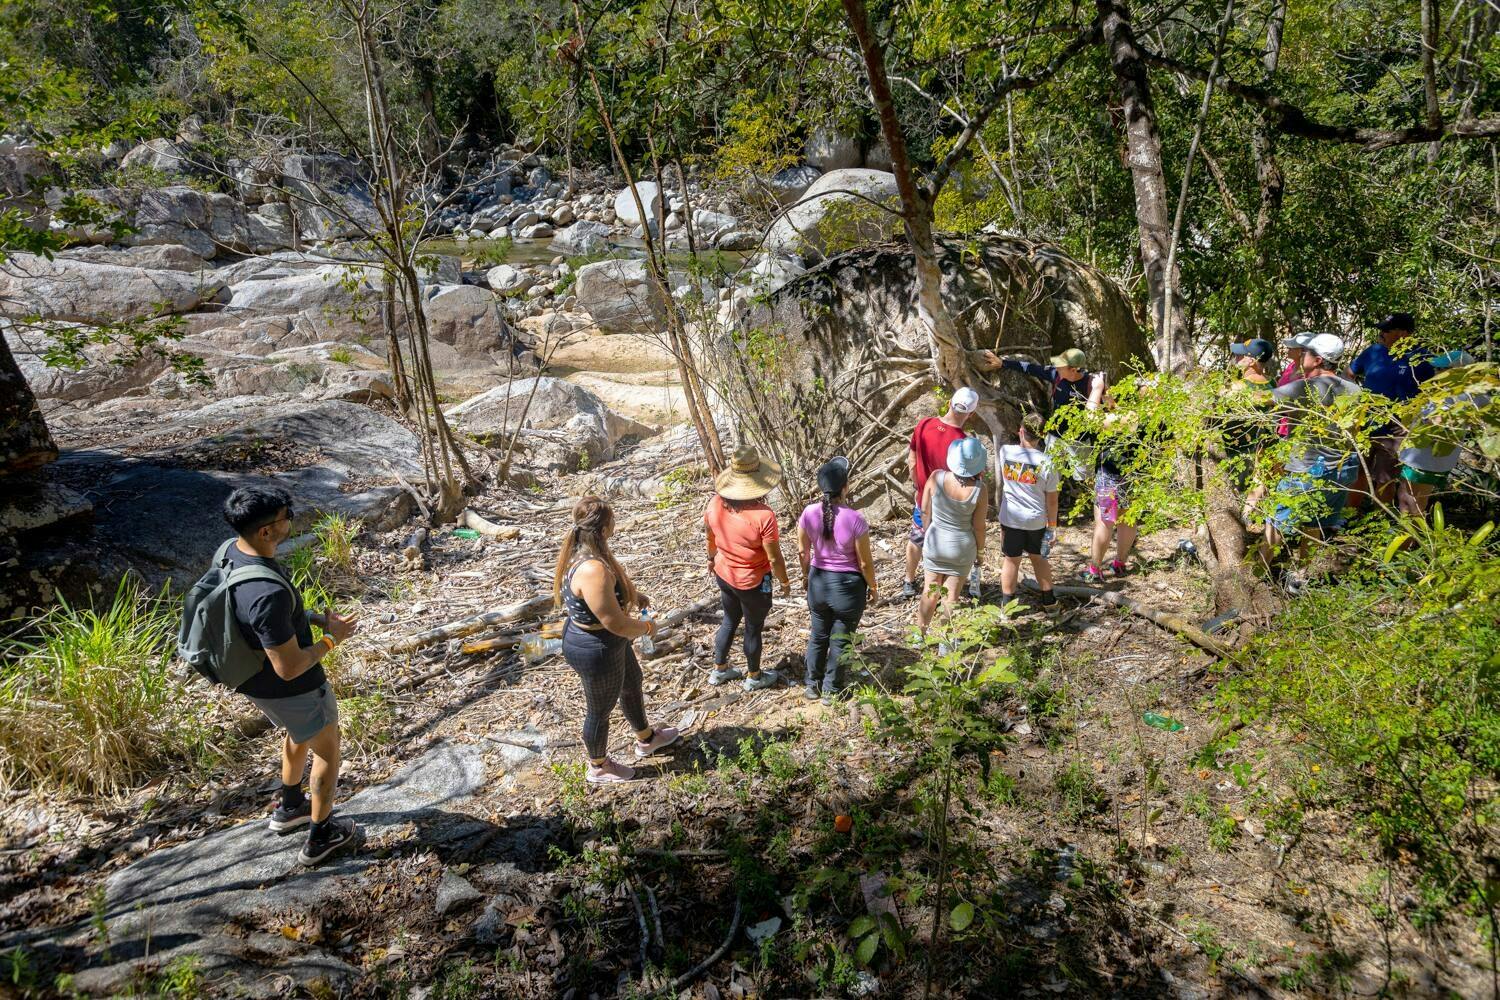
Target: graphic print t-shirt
1028,478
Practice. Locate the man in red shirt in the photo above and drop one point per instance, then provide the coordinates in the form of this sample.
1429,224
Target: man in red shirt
929,451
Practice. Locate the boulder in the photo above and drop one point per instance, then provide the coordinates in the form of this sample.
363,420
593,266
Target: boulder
737,239
330,198
828,150
255,179
707,225
582,238
537,231
521,220
466,326
852,319
22,166
25,442
161,257
836,213
82,291
787,185
565,426
207,223
338,296
507,280
564,215
161,155
626,211
878,156
443,269
620,297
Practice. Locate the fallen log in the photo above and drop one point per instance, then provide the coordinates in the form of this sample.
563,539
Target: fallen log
1165,619
533,607
412,551
488,528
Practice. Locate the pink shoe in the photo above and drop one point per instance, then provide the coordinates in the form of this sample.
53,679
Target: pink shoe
1117,568
1093,574
664,736
609,773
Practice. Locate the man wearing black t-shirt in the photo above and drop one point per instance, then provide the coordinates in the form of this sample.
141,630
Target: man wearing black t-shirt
291,688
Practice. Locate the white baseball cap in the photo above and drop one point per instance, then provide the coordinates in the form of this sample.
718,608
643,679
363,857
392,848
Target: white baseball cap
1328,346
965,400
1298,341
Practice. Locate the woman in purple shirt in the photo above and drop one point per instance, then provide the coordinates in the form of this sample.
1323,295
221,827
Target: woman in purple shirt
837,573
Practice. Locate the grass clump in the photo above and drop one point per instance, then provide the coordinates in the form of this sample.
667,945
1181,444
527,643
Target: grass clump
92,700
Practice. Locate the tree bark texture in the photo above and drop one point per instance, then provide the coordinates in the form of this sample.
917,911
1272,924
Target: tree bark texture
1143,157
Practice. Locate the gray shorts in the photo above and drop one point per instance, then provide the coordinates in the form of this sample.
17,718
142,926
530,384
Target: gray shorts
303,716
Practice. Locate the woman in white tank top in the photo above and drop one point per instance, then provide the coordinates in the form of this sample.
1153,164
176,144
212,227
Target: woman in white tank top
954,507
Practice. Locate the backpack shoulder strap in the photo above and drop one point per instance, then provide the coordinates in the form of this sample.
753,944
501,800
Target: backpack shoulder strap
223,553
246,574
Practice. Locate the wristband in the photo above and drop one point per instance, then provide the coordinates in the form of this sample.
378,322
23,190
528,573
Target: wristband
331,642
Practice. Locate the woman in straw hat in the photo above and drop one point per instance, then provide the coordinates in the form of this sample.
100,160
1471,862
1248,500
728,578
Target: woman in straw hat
954,506
596,593
744,550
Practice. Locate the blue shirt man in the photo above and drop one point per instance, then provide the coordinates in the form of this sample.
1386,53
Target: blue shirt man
1389,367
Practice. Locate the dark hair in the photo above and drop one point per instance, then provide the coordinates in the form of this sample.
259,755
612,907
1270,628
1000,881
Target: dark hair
592,517
736,505
1032,425
250,508
830,510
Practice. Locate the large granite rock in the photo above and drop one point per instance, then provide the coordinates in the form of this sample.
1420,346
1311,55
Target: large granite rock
565,425
208,223
582,238
840,210
828,150
329,197
842,322
22,167
82,291
621,298
161,155
650,197
24,440
465,325
162,257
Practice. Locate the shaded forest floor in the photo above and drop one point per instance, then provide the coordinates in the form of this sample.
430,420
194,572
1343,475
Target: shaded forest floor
1103,857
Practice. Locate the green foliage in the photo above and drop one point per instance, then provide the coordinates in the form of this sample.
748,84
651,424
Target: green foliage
341,356
1390,676
95,702
494,252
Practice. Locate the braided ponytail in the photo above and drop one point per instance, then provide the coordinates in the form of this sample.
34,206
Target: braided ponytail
830,509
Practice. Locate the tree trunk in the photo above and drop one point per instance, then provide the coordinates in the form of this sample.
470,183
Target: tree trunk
1143,156
1236,586
948,354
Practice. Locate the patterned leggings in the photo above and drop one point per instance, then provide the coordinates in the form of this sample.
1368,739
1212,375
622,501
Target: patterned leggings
606,664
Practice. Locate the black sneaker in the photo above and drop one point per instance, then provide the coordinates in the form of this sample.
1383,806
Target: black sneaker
285,820
334,836
909,590
810,693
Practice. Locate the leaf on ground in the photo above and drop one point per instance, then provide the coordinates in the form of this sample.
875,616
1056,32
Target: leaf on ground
962,916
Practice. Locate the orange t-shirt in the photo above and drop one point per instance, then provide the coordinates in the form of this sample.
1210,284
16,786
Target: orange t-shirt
740,537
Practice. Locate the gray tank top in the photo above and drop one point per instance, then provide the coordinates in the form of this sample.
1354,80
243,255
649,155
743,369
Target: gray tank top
949,514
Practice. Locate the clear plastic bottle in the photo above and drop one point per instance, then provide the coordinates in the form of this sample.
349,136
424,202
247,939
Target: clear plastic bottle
1048,537
645,643
539,649
975,583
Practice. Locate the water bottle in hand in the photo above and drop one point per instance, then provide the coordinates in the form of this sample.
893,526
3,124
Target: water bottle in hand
1048,537
974,583
645,643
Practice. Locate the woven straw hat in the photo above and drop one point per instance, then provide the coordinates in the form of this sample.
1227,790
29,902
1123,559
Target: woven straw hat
749,477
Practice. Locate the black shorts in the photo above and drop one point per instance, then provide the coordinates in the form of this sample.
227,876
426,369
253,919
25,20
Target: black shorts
1016,542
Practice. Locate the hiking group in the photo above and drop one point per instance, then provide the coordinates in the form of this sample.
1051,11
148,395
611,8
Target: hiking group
245,624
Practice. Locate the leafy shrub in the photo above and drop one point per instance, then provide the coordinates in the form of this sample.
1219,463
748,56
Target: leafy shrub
1388,682
494,253
94,702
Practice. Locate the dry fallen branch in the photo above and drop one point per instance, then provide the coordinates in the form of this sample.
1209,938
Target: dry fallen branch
489,528
533,607
1167,620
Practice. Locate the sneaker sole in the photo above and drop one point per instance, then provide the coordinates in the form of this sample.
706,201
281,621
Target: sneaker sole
288,825
312,859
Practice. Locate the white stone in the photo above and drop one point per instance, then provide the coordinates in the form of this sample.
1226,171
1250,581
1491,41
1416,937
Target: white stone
625,203
828,215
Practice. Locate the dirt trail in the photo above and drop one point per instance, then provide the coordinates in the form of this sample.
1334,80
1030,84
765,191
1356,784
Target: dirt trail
1098,878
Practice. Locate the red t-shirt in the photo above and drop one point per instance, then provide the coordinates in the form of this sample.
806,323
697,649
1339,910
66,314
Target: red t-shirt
929,442
740,538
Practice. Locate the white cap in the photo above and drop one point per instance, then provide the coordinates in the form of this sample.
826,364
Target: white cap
1328,346
965,400
1298,341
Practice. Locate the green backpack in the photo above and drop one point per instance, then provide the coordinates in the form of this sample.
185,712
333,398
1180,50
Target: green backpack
209,637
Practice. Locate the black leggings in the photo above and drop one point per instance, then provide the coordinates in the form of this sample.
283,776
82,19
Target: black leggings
750,605
835,603
606,664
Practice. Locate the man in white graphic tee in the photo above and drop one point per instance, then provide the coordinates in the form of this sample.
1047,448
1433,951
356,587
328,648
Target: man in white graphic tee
1028,510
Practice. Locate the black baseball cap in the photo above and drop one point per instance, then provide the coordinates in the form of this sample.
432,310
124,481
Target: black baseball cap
1398,321
1260,350
833,475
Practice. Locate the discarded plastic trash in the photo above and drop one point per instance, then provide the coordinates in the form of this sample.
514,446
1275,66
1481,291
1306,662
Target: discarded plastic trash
539,649
465,533
1164,722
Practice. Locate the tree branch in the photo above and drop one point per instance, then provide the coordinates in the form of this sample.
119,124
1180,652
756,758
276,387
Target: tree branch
1292,120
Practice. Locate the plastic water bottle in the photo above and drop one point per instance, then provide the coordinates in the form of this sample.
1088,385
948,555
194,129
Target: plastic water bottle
974,582
645,643
1164,722
538,649
1048,537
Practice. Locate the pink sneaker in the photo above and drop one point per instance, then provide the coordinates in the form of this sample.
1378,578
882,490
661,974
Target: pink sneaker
664,736
609,773
1093,574
1117,568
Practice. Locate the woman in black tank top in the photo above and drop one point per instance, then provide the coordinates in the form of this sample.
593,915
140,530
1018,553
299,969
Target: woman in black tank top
596,593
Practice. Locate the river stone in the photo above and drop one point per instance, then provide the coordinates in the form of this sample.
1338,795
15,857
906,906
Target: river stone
828,220
565,424
537,231
620,296
82,291
507,280
650,198
737,239
163,257
828,150
787,185
582,238
454,890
